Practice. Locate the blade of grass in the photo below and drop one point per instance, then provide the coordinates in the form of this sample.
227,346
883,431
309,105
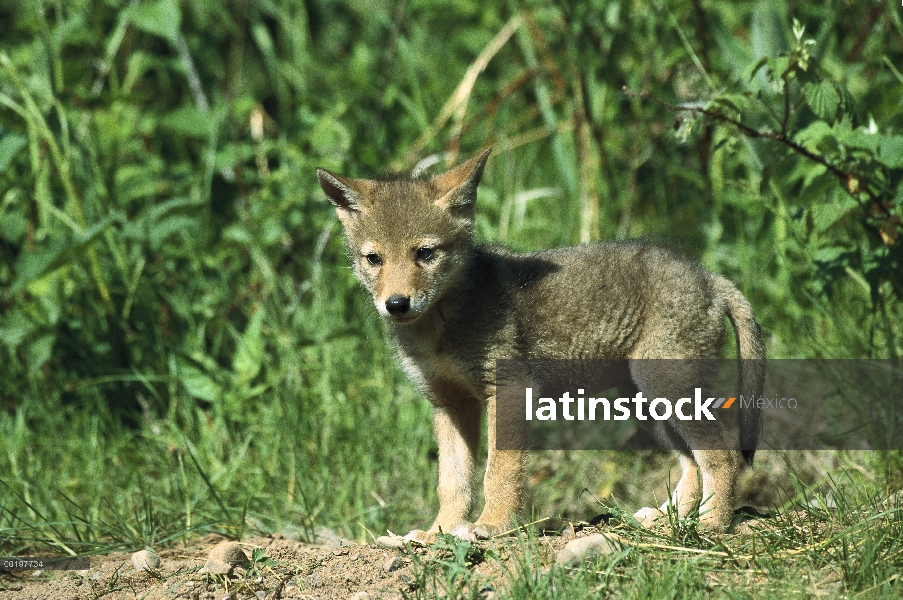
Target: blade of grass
456,105
209,484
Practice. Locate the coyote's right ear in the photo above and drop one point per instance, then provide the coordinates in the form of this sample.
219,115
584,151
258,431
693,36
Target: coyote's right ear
342,191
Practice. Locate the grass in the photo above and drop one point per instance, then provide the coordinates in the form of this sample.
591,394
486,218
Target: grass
852,550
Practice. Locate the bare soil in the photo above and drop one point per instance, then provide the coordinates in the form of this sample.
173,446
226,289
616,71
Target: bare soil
297,570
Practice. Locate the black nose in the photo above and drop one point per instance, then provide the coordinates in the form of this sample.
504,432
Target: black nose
398,305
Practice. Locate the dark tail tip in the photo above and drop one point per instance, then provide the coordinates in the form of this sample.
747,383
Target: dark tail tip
748,456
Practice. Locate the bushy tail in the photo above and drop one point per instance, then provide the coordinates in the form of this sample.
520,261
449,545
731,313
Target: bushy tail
751,351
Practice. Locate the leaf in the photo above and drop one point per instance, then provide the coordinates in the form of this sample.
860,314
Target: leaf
823,99
135,181
39,352
890,149
15,327
237,233
159,17
13,226
10,144
826,214
190,121
830,254
777,68
816,135
248,358
863,141
166,227
846,100
756,67
199,384
738,103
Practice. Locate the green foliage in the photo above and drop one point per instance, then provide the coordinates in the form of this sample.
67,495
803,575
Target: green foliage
846,180
447,571
177,319
260,562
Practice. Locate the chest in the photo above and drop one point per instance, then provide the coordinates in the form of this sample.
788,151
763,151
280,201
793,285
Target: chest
446,373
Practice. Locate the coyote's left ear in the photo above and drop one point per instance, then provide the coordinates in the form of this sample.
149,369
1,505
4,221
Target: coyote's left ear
458,187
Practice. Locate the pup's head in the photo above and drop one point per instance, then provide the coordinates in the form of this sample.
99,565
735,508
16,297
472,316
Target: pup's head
408,238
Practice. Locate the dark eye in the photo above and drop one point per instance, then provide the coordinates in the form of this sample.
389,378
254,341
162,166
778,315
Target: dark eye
374,259
424,253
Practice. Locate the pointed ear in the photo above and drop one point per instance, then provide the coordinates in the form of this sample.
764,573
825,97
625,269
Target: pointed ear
343,192
458,187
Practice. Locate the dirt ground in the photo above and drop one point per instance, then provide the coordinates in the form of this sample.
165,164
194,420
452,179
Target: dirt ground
297,570
334,568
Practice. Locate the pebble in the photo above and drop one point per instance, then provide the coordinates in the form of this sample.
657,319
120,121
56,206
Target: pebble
575,551
390,543
145,560
361,596
223,557
393,564
487,593
313,580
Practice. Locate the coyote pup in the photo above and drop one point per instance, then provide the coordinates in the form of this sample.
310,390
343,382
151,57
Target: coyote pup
454,308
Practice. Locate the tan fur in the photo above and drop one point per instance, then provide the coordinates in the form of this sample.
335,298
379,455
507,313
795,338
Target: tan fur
454,308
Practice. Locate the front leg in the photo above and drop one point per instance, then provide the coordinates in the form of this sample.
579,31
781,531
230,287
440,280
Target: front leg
458,434
503,484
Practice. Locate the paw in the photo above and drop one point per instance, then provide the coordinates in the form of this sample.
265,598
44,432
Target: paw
465,531
419,535
471,532
647,516
715,522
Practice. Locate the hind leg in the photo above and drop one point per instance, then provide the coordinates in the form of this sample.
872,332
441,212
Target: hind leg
710,457
684,499
719,470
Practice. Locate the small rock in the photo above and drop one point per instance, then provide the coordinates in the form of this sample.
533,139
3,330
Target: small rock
393,564
223,557
260,594
487,593
576,550
389,542
145,560
361,596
